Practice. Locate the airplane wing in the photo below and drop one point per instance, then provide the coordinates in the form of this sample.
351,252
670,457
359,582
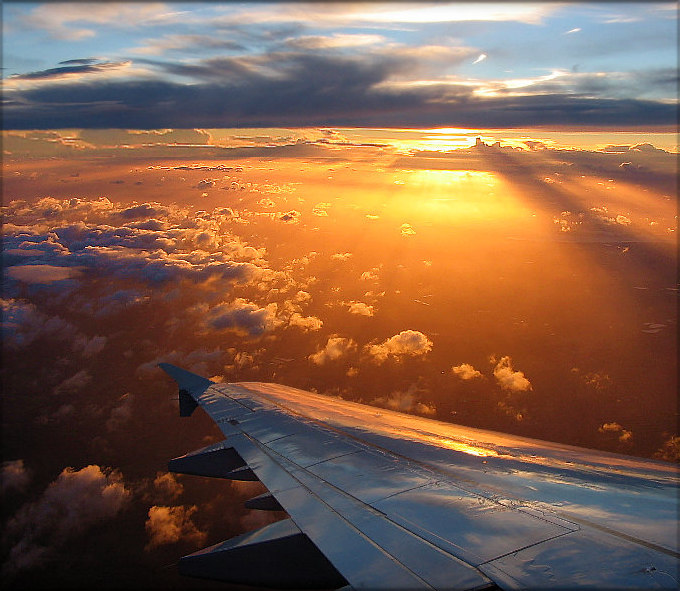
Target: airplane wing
378,499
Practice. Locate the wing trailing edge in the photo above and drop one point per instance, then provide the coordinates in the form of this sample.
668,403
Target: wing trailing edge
264,558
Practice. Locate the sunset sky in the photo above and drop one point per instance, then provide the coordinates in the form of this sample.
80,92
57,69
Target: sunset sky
466,212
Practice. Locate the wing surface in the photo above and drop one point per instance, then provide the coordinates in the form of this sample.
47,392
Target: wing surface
382,500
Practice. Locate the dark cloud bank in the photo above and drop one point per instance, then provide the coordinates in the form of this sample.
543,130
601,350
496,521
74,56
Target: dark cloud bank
299,90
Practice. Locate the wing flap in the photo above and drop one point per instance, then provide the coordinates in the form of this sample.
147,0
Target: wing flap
264,558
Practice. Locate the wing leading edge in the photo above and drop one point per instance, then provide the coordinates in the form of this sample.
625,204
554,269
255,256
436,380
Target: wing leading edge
381,500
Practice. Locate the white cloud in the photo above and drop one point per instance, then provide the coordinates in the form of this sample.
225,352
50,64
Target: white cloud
407,343
341,256
465,371
335,348
509,379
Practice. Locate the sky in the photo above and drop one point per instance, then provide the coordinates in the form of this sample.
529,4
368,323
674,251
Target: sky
428,65
467,213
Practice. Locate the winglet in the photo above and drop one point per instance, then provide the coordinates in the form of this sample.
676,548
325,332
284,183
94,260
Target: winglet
190,385
186,380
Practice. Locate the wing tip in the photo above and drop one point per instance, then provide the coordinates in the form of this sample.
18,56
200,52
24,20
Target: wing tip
186,380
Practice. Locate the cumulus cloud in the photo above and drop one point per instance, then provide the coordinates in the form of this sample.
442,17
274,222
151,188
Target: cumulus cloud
147,242
23,323
360,308
166,485
121,413
508,378
405,401
341,256
335,348
168,525
14,476
76,382
465,371
239,315
71,504
624,435
321,209
407,230
89,347
670,450
306,323
408,343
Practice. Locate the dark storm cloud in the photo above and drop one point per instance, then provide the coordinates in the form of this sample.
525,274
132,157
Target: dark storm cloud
294,89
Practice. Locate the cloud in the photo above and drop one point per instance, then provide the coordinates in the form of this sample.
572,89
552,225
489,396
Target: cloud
76,382
306,323
341,256
336,347
58,18
480,58
407,230
148,242
41,274
405,402
408,343
291,217
321,209
71,504
167,486
23,323
375,89
169,525
239,315
670,450
465,371
14,476
89,347
509,379
360,308
120,414
624,435
76,71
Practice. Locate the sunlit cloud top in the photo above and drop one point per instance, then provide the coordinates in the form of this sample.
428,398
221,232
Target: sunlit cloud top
422,65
